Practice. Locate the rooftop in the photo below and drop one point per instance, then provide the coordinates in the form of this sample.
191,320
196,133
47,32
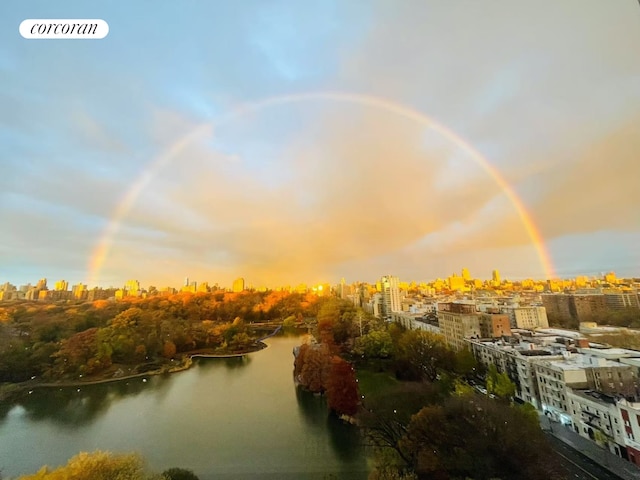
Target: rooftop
610,353
598,396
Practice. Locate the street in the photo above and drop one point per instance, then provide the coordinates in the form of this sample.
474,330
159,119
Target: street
577,466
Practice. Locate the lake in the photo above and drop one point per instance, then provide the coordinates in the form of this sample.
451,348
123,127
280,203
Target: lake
231,418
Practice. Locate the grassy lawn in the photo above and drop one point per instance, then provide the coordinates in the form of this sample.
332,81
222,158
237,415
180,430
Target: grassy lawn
372,383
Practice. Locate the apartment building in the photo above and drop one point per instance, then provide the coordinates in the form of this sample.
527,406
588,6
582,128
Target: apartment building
596,416
457,322
413,321
528,317
494,325
576,307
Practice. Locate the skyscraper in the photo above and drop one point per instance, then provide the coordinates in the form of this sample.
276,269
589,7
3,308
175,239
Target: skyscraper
238,285
390,295
79,291
466,275
496,277
132,287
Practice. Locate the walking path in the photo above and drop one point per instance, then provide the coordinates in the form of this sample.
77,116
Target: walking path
275,332
590,449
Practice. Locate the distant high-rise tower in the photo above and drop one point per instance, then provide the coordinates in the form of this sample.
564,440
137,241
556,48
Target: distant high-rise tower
496,276
390,295
79,291
465,274
42,284
62,286
186,281
238,285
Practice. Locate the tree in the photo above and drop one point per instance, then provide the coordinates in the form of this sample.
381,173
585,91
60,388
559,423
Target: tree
315,370
328,316
290,321
15,365
387,414
97,466
422,355
240,341
169,349
75,352
474,437
465,363
179,474
300,359
500,384
342,388
375,344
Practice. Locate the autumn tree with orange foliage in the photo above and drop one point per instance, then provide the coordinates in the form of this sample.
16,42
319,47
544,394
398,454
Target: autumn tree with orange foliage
75,352
342,389
314,368
299,360
169,349
36,337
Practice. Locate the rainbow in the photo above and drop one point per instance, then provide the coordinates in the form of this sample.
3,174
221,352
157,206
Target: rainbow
101,251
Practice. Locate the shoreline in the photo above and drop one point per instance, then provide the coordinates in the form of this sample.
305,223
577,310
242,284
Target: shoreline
15,390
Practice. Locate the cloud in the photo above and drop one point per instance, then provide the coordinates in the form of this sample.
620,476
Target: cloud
318,190
95,136
355,184
598,190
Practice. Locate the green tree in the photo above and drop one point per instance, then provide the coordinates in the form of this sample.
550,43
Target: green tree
179,474
240,341
15,365
474,437
328,316
387,414
290,321
376,344
500,384
422,355
465,363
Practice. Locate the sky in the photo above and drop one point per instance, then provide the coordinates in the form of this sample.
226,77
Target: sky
288,142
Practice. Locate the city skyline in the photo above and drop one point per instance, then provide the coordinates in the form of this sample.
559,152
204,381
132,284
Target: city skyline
456,281
292,144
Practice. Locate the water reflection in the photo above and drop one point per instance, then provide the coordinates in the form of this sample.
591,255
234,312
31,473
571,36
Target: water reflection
75,406
5,407
224,419
204,366
345,439
234,363
293,332
313,408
